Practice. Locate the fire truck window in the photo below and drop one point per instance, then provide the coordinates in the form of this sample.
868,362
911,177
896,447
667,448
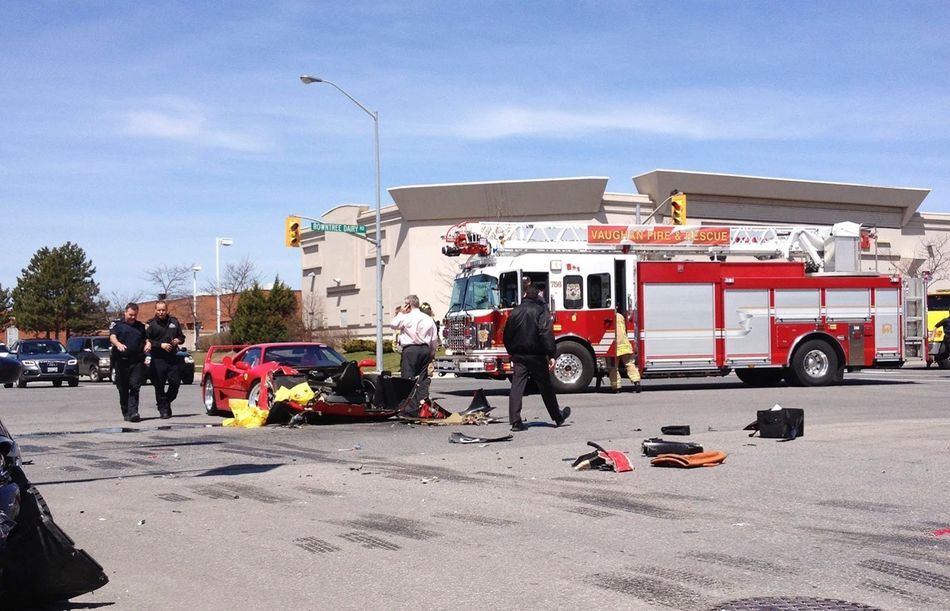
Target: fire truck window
475,293
481,292
481,295
508,289
598,291
573,292
539,279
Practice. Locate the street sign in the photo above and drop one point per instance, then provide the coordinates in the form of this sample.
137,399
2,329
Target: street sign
360,229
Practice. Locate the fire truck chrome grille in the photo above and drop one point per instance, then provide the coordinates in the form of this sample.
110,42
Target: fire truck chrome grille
455,336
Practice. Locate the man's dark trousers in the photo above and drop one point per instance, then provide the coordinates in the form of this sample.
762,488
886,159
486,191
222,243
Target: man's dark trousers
415,360
526,366
165,371
128,379
415,365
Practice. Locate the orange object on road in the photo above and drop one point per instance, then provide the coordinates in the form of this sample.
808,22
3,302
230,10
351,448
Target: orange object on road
689,461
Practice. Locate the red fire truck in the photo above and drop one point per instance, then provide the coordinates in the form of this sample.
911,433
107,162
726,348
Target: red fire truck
769,303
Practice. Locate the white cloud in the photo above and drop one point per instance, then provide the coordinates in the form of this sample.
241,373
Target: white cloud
715,115
523,121
184,122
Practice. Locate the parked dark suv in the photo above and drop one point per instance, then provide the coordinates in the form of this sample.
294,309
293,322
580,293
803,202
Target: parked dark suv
93,354
186,365
44,360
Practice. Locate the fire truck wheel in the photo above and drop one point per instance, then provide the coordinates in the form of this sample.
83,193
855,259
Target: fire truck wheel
573,368
761,377
814,364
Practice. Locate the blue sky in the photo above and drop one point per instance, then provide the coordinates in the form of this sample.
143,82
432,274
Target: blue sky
142,131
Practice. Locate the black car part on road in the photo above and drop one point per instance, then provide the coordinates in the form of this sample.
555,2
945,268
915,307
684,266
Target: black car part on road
39,563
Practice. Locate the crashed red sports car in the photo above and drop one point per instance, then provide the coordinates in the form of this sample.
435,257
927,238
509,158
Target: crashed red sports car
246,372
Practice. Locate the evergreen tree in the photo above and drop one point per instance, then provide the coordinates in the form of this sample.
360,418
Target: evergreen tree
264,318
56,293
282,303
248,325
6,307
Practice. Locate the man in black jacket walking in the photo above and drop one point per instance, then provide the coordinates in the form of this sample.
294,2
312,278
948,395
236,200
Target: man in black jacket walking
129,345
530,342
165,334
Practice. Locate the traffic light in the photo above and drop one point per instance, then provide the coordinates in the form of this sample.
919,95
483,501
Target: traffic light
292,231
678,208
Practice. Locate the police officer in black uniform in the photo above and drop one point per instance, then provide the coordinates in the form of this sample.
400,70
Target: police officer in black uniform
165,335
129,346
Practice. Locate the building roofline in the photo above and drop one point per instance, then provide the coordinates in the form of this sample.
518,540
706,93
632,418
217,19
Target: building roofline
500,182
536,197
659,183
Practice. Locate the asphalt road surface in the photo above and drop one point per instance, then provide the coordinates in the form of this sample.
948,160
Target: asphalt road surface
184,513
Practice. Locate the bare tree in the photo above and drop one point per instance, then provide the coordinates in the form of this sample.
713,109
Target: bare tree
235,278
312,315
118,299
172,280
445,273
932,255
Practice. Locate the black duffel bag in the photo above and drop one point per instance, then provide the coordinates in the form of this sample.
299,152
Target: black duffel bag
782,423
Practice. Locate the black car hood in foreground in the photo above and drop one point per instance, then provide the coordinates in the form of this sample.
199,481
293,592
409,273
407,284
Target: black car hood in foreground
39,563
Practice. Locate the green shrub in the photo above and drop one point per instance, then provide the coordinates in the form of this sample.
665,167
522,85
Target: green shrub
366,345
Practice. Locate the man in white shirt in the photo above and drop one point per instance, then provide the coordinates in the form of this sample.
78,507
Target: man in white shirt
418,337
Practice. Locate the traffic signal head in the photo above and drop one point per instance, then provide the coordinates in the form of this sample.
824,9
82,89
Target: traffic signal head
678,208
292,231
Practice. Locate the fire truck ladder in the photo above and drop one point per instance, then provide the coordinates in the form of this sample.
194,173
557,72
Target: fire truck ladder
760,241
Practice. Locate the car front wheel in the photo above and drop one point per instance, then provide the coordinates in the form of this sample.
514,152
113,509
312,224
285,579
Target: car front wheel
207,397
94,374
254,396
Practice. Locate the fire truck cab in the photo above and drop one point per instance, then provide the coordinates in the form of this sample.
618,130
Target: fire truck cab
803,321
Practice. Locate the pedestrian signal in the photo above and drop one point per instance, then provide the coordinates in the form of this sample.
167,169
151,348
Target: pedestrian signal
678,208
292,231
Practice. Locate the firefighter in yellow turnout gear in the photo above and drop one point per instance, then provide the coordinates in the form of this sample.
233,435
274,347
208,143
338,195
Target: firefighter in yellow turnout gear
625,357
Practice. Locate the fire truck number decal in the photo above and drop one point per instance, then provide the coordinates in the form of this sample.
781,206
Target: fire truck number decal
620,234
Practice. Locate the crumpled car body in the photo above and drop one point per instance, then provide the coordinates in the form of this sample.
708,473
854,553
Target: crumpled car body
340,388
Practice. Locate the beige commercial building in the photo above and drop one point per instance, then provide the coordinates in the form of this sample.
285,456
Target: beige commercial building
338,283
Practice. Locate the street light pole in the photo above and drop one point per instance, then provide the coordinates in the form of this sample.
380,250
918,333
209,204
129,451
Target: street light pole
218,243
306,80
194,301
